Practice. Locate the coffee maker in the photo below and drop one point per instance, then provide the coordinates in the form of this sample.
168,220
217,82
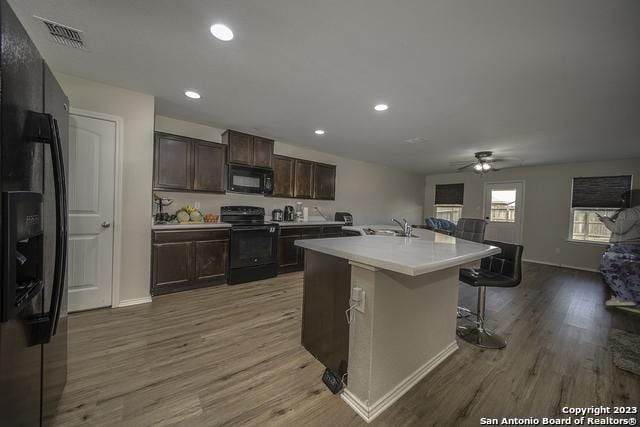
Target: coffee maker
289,213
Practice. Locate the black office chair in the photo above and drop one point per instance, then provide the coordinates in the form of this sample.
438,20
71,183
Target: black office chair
470,229
502,270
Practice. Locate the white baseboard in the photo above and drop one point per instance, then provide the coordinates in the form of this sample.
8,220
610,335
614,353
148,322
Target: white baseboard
134,301
370,412
592,270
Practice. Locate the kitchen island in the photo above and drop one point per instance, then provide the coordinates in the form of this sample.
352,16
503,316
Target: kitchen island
405,323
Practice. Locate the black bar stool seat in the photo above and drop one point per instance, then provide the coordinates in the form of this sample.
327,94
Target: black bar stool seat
503,270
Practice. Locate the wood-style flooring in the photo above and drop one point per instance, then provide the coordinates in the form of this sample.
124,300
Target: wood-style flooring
231,355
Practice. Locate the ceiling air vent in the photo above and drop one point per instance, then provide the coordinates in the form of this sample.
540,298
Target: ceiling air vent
64,35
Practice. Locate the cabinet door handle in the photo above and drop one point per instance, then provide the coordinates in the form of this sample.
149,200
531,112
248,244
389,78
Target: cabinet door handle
105,224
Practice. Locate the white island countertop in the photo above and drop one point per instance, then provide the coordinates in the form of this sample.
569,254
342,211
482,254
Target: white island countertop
413,256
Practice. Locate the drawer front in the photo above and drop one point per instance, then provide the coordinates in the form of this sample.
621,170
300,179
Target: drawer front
311,231
291,231
189,236
332,229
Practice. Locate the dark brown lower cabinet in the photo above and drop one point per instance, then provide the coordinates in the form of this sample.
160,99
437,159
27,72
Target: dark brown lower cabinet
211,260
327,288
172,264
291,257
184,260
288,254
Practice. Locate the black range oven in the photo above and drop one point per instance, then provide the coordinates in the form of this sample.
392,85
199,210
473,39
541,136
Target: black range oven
253,249
244,179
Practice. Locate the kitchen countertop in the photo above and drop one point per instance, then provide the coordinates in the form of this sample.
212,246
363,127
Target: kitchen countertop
412,256
307,223
190,226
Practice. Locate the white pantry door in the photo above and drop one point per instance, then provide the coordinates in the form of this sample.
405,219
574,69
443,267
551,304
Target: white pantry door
503,208
92,146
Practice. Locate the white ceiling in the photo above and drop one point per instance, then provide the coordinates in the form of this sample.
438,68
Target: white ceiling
546,81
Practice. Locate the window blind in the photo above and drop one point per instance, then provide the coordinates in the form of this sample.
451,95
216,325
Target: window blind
449,194
599,191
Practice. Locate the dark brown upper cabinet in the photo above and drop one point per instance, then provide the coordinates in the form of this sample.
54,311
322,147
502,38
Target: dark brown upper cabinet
262,152
187,164
283,176
324,182
250,150
303,179
208,168
172,162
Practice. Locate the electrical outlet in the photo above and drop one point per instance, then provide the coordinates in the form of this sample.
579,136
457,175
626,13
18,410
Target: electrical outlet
359,305
557,250
357,299
196,205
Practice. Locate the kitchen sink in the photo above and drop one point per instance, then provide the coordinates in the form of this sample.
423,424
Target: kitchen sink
384,232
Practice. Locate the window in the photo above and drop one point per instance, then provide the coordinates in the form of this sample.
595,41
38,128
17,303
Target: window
448,202
593,196
449,212
503,205
586,225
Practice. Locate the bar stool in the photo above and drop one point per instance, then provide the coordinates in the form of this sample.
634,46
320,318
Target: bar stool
502,270
469,229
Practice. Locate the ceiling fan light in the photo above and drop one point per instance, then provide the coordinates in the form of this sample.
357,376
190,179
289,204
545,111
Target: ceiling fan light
486,166
478,167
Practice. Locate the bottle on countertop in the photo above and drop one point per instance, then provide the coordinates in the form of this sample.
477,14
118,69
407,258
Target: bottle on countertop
299,214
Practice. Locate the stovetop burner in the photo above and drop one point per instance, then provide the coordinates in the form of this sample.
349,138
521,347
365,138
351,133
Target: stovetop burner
243,215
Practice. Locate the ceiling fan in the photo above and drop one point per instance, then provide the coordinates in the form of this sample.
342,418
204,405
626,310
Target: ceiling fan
485,162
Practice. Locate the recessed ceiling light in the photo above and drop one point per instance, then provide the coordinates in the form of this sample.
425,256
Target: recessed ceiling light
381,107
192,94
319,131
221,32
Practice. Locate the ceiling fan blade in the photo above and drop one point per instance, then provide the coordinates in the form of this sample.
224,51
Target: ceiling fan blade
505,159
466,166
462,162
503,163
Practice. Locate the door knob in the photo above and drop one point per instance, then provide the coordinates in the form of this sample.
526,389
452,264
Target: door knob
106,224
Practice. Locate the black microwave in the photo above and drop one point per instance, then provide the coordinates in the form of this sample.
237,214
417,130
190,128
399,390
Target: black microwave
245,179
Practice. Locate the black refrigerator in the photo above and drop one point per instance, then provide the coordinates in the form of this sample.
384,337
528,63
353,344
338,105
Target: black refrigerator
33,230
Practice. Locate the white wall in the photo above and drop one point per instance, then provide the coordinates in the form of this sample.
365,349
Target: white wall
372,193
137,112
547,206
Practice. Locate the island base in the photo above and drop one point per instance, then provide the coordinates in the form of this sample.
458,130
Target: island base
407,327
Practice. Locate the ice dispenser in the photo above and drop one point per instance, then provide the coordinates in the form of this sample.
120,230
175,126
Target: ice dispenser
22,257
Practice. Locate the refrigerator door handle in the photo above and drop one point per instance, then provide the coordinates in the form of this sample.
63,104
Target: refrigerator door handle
60,184
43,128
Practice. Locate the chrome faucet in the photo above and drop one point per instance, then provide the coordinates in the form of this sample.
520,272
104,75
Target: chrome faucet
406,227
321,214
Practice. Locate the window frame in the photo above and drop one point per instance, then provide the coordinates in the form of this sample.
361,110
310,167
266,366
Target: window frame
572,224
572,210
435,211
